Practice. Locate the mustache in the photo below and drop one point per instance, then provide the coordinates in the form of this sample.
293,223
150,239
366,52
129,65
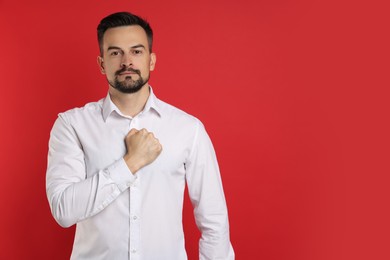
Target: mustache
127,69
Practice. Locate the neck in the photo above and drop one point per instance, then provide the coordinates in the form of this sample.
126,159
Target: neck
130,104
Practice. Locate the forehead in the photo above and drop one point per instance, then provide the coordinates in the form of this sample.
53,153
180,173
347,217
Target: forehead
125,36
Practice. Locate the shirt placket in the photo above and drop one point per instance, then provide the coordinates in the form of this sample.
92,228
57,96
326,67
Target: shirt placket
134,210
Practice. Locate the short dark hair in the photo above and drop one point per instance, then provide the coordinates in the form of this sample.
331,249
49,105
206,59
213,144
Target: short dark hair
123,19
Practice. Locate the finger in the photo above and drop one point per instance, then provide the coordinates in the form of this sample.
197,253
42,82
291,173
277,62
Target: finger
159,148
132,131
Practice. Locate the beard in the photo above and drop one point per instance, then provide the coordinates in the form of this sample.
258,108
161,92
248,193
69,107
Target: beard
128,85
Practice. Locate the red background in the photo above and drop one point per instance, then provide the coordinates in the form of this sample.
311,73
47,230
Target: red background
293,93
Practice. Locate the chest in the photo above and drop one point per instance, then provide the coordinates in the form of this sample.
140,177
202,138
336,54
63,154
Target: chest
103,144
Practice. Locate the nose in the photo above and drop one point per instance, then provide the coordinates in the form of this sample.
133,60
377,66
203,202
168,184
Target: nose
126,61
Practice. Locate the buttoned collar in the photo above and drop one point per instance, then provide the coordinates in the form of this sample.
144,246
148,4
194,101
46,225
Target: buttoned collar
151,105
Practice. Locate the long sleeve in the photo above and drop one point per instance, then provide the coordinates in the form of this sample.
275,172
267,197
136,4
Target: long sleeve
72,195
207,196
120,215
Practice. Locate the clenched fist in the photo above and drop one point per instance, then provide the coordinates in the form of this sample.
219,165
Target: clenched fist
142,149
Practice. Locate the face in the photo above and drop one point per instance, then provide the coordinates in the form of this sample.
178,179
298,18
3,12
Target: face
126,60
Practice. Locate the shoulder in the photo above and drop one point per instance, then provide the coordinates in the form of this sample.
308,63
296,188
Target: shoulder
91,109
178,116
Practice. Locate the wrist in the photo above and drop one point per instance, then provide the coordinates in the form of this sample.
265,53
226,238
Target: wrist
133,164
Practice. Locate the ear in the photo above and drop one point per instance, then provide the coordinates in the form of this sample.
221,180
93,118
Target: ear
100,63
152,61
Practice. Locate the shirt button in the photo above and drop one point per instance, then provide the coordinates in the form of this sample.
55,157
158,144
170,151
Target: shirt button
134,251
135,217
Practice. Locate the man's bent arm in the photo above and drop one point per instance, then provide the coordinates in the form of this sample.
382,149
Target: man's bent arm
207,196
72,196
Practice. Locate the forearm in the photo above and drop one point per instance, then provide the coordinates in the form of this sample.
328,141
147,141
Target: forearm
72,201
212,220
215,239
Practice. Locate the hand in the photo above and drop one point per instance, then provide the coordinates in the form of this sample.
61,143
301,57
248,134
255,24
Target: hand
142,149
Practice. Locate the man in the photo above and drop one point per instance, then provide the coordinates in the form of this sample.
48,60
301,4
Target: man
117,168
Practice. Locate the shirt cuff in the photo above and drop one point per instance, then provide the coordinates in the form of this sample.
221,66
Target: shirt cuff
121,174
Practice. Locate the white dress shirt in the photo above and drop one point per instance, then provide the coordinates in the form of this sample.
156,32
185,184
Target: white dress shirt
120,215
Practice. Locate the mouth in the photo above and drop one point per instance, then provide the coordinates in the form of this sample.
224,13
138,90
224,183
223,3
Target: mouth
127,73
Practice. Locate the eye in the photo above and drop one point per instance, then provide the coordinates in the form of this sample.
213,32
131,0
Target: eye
114,53
137,52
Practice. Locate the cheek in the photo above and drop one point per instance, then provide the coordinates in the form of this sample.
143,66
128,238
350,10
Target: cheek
111,67
110,73
111,63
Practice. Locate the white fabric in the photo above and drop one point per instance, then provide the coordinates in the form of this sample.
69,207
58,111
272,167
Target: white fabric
124,216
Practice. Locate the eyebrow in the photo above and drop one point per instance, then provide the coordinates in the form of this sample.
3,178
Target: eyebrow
113,48
132,47
138,46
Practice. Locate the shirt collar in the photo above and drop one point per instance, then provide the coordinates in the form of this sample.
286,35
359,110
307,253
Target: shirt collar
151,104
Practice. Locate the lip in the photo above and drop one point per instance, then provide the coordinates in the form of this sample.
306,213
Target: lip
127,74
